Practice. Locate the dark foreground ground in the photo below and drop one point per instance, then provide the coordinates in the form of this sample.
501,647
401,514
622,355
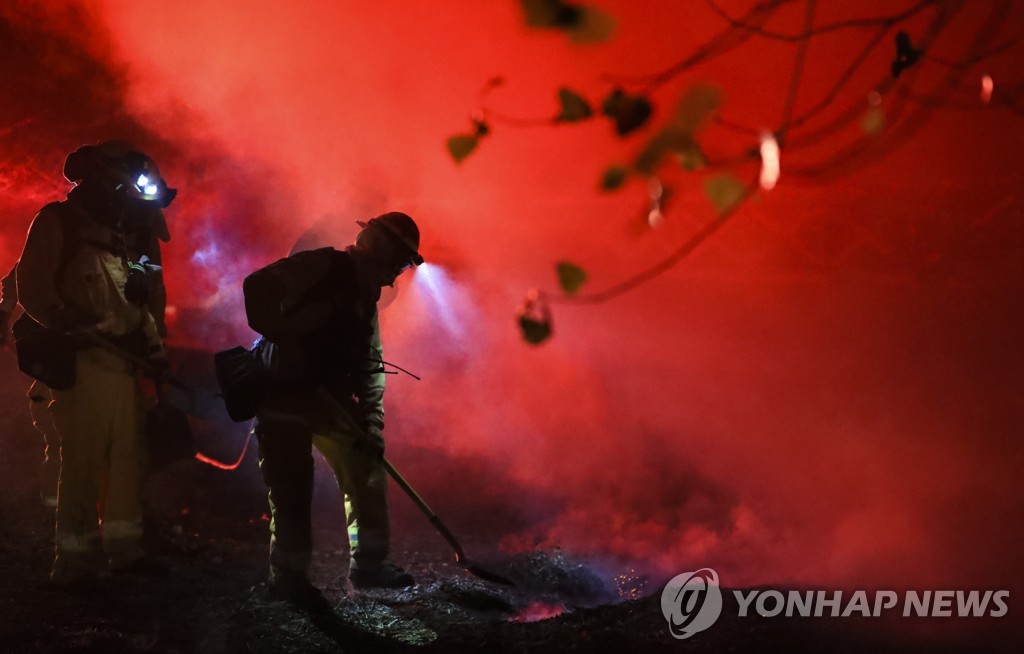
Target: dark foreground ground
209,527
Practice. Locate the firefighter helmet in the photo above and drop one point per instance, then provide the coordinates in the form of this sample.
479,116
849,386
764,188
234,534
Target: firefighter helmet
122,168
402,230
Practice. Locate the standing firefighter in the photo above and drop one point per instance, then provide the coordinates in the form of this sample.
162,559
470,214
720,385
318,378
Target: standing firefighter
143,239
76,277
317,311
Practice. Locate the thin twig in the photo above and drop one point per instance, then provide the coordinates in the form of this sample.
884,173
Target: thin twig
515,121
829,97
856,109
665,264
807,33
1009,102
843,79
725,41
722,42
970,61
854,155
798,69
735,127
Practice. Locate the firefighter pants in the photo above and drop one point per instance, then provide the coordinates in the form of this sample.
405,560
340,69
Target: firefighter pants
100,444
285,453
39,400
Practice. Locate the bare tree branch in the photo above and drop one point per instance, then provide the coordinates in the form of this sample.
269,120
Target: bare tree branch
798,69
887,21
665,264
970,61
722,42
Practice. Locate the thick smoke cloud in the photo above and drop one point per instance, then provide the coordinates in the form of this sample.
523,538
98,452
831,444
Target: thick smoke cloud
828,392
56,97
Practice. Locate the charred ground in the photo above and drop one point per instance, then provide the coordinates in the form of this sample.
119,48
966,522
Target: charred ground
210,527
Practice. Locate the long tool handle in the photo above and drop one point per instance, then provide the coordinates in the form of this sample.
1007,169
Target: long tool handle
343,416
420,502
134,359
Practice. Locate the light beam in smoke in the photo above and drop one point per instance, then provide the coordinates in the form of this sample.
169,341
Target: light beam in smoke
441,291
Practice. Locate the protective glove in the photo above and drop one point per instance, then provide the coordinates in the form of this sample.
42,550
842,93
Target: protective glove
137,285
374,443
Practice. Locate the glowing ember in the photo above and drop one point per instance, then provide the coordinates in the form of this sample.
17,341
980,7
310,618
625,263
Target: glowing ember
987,85
537,611
631,585
770,166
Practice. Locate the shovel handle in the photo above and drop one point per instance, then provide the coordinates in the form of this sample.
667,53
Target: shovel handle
420,502
131,358
341,415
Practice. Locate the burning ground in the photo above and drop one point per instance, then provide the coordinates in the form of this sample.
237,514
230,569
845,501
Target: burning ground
210,527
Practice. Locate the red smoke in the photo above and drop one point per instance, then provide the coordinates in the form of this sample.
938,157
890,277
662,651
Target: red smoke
828,391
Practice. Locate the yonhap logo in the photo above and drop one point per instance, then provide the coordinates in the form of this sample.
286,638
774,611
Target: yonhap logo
691,602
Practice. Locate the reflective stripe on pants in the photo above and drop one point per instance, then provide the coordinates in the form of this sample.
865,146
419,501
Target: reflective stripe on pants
285,453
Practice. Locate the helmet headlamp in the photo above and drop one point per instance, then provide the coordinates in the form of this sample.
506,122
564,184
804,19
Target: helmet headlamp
119,166
405,264
402,231
149,190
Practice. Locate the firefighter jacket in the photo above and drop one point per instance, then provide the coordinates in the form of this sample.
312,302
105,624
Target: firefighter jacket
9,291
344,353
86,289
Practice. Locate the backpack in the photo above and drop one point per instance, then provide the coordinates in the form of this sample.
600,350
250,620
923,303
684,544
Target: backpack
47,354
290,297
285,302
315,315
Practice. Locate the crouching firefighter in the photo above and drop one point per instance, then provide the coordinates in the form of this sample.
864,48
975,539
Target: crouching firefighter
79,288
317,313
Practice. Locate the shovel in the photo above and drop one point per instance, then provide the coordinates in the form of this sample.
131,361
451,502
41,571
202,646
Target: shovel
460,557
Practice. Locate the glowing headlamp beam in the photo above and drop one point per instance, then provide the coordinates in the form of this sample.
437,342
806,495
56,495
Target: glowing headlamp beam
440,291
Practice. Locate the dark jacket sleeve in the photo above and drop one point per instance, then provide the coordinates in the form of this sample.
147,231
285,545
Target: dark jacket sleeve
370,388
9,291
39,263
